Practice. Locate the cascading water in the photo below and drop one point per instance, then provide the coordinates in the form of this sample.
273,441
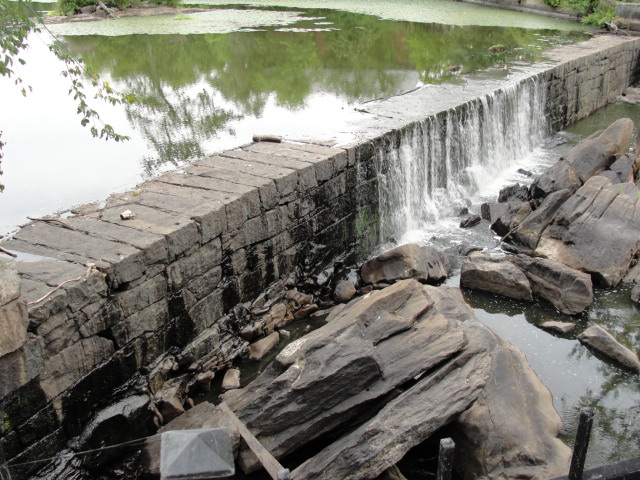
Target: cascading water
448,158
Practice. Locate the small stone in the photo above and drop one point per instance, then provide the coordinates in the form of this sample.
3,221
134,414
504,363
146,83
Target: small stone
345,291
203,380
560,327
231,379
127,215
259,349
285,333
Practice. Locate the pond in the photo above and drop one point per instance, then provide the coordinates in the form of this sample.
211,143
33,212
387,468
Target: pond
208,81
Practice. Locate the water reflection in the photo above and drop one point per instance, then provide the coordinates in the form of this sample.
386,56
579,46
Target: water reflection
194,88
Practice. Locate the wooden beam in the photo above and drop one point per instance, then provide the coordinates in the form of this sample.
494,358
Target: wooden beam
270,464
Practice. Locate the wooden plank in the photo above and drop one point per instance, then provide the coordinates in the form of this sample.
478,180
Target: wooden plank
270,464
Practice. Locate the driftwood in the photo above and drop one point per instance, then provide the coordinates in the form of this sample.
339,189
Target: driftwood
267,138
106,9
52,220
7,252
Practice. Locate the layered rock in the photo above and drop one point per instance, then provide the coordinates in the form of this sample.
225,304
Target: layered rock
393,367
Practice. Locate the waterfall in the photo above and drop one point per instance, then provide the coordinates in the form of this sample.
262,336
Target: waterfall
449,157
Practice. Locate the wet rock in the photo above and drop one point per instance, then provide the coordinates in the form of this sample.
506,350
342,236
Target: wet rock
517,191
128,419
231,379
305,311
344,291
470,221
560,327
481,271
568,289
407,261
260,348
513,216
492,211
529,231
463,211
596,231
524,172
602,341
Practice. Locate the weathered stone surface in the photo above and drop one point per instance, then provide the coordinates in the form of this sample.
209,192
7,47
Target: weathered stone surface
560,327
597,230
407,261
529,231
9,282
511,430
482,271
20,366
259,349
560,176
344,291
521,192
13,326
128,419
623,168
392,473
602,341
596,153
170,398
231,379
374,344
568,289
515,213
63,369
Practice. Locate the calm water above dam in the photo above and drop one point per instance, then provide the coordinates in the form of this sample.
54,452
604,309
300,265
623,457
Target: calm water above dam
209,81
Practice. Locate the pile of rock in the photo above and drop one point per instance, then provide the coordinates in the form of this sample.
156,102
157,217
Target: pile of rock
392,368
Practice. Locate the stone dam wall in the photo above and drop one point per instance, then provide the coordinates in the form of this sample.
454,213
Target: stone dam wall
98,309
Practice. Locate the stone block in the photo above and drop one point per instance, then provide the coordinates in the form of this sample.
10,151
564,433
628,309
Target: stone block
68,366
203,285
188,268
9,282
97,317
19,367
149,319
58,333
136,299
180,231
207,311
13,326
38,426
259,349
43,449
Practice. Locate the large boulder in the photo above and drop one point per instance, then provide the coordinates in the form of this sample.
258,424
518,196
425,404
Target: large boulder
481,271
590,157
407,261
529,231
568,289
602,341
510,430
597,230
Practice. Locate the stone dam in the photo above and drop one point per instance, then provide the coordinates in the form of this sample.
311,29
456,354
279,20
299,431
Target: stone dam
97,302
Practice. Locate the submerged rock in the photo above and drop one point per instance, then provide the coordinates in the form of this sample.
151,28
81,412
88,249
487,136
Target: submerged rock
602,341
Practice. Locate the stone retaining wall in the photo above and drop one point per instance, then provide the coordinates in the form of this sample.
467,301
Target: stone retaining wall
102,303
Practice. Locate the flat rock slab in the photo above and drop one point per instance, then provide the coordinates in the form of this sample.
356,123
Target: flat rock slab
597,230
602,341
484,272
407,261
260,348
560,327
